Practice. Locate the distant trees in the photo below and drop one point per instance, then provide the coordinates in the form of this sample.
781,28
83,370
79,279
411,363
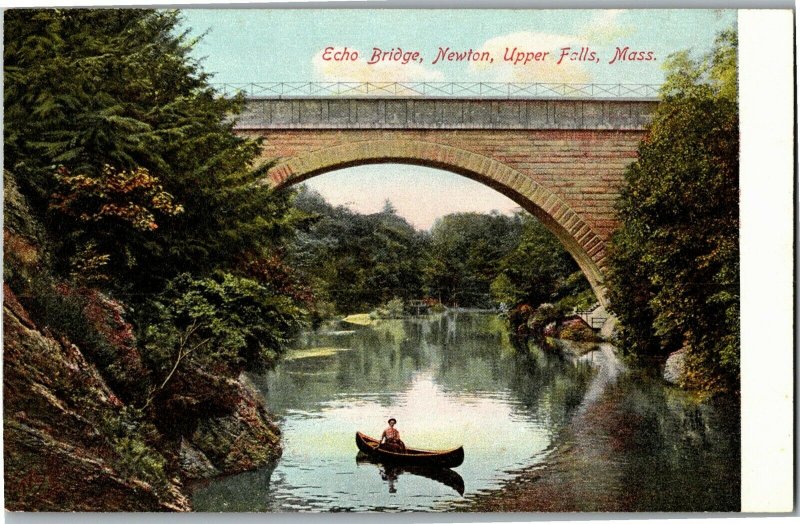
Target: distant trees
359,262
485,259
538,269
465,254
675,264
356,262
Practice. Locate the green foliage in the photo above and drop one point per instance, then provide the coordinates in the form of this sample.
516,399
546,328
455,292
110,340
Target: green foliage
360,262
465,253
126,155
95,90
579,296
356,262
538,269
220,323
90,87
395,308
128,432
675,262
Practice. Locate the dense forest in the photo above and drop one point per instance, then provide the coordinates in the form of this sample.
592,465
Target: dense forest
146,270
355,263
134,232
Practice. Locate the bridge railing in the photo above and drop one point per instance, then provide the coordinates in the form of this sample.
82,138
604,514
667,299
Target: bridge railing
438,90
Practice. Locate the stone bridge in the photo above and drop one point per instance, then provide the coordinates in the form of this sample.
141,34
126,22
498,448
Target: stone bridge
561,159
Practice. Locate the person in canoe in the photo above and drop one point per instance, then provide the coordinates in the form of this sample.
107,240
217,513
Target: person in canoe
390,439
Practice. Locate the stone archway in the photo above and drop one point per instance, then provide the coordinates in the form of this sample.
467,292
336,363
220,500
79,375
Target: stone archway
581,241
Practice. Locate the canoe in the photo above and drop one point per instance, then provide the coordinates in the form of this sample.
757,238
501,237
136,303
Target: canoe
445,476
449,458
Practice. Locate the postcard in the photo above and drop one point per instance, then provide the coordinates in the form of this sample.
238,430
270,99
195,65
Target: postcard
397,260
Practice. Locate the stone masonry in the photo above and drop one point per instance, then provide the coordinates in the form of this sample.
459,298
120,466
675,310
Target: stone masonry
561,160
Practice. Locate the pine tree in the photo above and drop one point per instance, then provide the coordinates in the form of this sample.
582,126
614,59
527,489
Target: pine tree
88,90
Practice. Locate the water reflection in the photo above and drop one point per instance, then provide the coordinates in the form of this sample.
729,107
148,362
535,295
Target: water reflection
639,445
390,473
607,441
449,380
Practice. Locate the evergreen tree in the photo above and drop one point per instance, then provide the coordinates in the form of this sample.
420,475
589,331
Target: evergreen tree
99,91
128,156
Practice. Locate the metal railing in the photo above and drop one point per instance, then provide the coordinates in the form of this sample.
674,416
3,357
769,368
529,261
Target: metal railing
438,90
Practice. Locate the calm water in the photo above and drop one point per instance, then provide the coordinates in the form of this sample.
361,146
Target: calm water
450,380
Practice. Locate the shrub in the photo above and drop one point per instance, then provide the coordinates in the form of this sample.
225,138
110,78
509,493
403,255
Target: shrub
578,332
224,322
128,432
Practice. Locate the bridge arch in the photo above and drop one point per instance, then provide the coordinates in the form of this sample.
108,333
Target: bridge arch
580,240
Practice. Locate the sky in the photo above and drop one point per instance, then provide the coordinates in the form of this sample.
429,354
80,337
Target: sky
283,45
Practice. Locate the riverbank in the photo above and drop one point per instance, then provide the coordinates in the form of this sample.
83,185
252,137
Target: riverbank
73,443
542,430
95,417
611,456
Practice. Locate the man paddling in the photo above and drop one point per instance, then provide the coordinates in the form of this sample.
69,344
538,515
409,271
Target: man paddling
390,439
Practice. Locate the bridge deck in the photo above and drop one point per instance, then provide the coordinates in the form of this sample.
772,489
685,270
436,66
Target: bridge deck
440,113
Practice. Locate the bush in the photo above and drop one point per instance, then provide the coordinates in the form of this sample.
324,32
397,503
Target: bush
225,322
578,332
136,458
395,308
542,316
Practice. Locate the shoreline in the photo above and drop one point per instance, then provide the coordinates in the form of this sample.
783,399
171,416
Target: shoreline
592,458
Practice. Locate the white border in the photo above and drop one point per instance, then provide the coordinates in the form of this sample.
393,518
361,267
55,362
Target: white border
766,89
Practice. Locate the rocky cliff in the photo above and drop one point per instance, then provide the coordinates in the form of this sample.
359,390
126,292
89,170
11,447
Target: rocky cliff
76,435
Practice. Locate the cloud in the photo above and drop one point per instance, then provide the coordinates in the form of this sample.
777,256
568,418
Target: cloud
543,71
360,71
605,27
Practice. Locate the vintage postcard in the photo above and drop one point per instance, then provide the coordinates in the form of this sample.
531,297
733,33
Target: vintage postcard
329,260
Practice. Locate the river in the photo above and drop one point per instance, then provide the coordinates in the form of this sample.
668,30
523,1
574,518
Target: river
542,430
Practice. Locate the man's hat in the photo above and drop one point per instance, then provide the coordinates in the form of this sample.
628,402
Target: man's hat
392,420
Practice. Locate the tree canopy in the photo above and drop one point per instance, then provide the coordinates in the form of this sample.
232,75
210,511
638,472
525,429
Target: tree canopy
466,250
127,154
675,262
94,95
356,262
538,269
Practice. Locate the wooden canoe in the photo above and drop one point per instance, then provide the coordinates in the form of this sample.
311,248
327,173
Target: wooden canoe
449,458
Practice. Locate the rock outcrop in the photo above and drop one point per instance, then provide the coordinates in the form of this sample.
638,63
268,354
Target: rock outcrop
58,453
243,440
76,436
